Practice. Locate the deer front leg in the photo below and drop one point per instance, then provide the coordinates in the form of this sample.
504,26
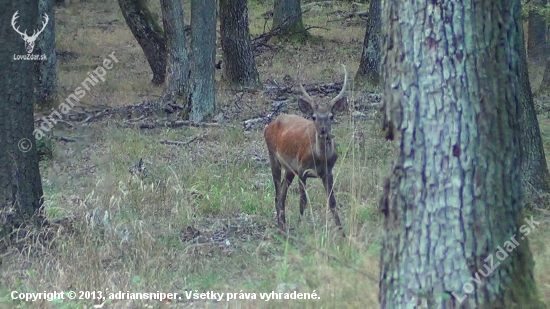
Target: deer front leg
328,184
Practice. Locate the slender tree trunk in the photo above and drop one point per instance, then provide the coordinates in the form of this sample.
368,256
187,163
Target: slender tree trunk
203,39
239,67
20,184
534,170
545,85
176,86
149,35
536,43
455,236
368,74
46,84
287,14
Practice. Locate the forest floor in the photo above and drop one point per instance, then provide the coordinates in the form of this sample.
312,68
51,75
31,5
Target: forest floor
202,217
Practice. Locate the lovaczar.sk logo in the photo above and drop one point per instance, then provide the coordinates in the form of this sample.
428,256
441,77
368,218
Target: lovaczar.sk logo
29,40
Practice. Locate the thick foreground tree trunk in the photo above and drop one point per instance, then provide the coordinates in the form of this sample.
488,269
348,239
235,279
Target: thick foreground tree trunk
287,14
368,74
534,170
239,66
20,184
46,83
455,236
148,34
203,39
176,86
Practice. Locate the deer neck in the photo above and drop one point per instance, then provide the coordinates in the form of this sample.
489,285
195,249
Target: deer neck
324,146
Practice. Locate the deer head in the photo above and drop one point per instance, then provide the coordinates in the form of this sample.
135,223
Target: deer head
323,115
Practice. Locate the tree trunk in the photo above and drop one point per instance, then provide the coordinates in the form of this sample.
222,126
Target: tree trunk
454,234
368,74
149,35
20,183
46,83
534,170
176,86
536,39
545,85
238,59
287,15
203,39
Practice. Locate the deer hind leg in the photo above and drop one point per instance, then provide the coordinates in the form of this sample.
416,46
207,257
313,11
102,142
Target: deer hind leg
328,184
303,197
276,173
285,183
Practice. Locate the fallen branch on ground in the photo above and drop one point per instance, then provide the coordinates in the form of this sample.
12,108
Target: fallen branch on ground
64,139
255,123
175,124
179,143
311,88
321,3
362,14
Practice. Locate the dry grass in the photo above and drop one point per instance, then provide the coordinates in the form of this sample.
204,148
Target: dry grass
202,217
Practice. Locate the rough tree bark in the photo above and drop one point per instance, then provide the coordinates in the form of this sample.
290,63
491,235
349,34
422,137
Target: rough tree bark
368,74
203,40
534,170
176,86
239,66
454,232
287,15
536,39
20,182
46,83
149,35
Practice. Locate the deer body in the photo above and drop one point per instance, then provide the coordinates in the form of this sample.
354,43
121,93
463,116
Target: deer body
301,151
304,148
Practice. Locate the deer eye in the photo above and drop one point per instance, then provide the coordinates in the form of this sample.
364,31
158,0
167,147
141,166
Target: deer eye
331,117
313,118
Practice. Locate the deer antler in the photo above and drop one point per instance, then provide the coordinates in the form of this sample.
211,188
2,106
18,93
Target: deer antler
341,94
305,93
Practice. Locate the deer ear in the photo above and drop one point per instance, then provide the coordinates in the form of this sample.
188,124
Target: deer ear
340,105
305,106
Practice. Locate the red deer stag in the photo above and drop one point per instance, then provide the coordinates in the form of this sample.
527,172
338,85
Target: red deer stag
304,148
